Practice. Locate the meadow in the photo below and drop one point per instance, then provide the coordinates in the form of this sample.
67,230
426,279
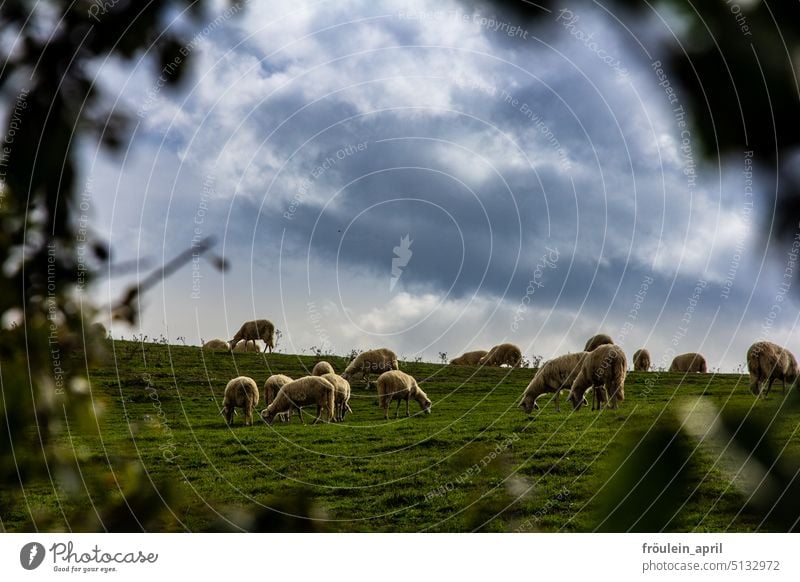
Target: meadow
477,463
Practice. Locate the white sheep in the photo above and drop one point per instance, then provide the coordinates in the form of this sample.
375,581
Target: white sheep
342,397
241,392
641,360
252,331
215,344
689,362
469,358
243,346
554,376
306,391
397,385
322,368
502,354
371,362
596,341
603,369
768,362
272,386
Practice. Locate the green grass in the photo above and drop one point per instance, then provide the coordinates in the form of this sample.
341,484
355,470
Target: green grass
476,463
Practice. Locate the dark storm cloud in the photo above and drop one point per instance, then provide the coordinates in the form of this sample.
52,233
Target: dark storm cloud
489,152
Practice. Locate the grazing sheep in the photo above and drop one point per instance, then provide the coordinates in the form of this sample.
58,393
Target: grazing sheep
342,396
596,341
272,386
251,331
215,344
503,354
641,360
469,358
243,346
690,362
554,376
768,362
241,392
604,370
322,368
371,361
307,391
397,385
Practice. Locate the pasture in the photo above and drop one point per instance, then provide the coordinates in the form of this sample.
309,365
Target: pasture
477,463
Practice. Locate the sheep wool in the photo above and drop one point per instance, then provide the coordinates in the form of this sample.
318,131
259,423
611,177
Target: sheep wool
500,354
554,376
641,360
306,391
469,358
252,331
342,396
397,385
604,370
241,392
322,368
215,344
767,362
372,361
596,341
690,362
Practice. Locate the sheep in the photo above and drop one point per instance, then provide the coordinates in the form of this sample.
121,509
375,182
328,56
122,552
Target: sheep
397,385
690,362
641,360
468,358
243,346
322,368
240,392
502,354
215,344
342,396
596,341
377,361
251,331
554,376
272,386
768,362
603,369
307,391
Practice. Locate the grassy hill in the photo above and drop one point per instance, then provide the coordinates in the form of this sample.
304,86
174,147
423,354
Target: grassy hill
476,463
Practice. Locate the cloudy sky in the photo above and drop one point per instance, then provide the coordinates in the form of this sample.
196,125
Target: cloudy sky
420,176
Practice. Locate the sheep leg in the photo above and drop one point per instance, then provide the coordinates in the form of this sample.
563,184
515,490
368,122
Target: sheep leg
319,414
300,414
385,406
397,409
407,413
769,386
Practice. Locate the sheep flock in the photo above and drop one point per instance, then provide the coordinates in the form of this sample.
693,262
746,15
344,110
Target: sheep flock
600,368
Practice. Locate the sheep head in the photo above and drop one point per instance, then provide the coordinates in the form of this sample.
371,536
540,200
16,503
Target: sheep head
268,416
577,399
227,412
424,401
528,403
426,406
